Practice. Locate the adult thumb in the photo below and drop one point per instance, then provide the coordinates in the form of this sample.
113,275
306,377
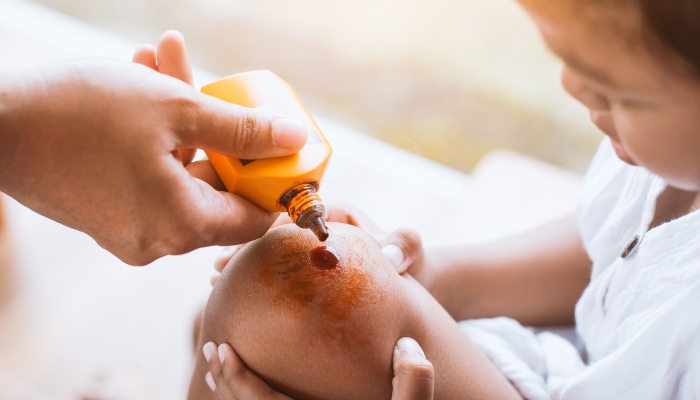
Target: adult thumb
240,132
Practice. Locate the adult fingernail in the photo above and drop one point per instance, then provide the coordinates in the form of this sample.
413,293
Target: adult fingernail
209,350
210,381
394,254
408,344
222,353
288,133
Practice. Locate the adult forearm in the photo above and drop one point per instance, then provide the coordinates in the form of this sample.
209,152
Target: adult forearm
536,278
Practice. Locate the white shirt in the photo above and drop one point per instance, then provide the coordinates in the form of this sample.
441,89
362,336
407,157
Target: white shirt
639,318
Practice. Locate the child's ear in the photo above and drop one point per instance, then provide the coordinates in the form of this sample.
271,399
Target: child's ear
146,55
172,57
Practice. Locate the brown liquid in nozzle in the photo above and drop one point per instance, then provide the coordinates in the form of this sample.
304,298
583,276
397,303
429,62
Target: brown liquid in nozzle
306,209
324,257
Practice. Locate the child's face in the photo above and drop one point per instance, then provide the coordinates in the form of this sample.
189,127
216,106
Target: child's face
650,111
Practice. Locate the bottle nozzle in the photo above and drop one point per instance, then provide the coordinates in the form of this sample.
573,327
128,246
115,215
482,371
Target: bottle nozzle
306,209
318,227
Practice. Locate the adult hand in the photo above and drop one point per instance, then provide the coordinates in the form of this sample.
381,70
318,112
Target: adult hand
93,144
229,378
402,247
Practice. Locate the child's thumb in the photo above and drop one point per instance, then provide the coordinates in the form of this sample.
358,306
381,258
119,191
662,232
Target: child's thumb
402,248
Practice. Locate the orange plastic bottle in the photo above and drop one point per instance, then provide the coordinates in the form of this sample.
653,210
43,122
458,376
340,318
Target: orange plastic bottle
277,184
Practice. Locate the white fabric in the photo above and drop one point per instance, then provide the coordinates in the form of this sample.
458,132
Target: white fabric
639,317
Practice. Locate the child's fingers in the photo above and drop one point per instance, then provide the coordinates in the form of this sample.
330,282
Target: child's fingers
212,357
241,382
213,377
403,248
172,57
146,55
226,254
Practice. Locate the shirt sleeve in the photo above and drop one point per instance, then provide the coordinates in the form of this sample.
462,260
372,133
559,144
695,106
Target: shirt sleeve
525,358
661,361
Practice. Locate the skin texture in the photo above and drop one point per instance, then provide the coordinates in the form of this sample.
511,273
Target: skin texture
100,145
315,333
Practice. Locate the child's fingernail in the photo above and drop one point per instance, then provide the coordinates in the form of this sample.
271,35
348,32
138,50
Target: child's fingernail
210,381
222,353
209,350
408,344
288,133
394,254
228,251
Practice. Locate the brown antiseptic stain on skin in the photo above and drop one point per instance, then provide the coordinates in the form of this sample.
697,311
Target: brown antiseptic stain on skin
323,284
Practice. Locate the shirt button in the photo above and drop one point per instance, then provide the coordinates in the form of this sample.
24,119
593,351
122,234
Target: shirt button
630,246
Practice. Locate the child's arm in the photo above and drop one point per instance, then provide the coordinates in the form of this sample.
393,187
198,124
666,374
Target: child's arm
535,278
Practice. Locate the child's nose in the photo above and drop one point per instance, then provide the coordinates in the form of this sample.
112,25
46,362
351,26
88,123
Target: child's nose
603,120
580,90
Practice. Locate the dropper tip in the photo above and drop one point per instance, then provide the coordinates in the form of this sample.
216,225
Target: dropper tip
318,226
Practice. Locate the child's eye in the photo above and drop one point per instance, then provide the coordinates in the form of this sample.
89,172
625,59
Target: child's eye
627,103
598,99
602,95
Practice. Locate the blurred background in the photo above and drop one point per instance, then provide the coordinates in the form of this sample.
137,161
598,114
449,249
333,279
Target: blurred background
447,79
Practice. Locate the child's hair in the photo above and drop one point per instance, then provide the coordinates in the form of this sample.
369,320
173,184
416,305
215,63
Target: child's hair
676,23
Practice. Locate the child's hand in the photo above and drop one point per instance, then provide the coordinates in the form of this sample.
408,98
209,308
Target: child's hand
228,377
404,250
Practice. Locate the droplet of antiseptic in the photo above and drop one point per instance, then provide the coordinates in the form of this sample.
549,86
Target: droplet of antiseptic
324,257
